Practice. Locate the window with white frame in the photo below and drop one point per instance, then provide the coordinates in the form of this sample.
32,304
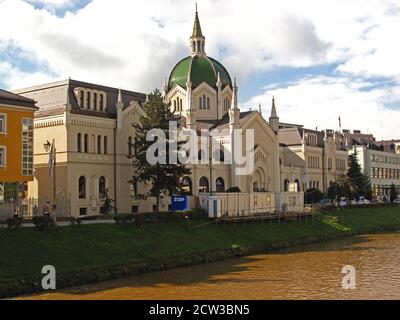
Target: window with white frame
3,123
27,147
3,156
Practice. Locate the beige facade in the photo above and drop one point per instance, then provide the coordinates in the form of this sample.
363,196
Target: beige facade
91,147
325,161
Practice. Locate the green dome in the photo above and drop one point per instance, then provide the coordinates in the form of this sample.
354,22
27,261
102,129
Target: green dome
199,69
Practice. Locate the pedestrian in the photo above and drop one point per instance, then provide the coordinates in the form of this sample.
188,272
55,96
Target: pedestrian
16,212
46,209
35,210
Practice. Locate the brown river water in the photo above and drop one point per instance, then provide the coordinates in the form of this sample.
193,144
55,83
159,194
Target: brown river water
307,272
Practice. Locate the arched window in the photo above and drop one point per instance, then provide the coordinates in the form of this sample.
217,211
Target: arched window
102,187
105,149
297,185
219,155
286,185
88,100
99,144
81,99
175,108
82,187
86,143
186,186
200,103
220,185
204,101
79,142
101,102
95,101
208,103
203,185
181,104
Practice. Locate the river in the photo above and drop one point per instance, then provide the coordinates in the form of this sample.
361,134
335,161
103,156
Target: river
307,272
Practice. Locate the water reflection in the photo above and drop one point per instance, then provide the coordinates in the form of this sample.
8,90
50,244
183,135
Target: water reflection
306,272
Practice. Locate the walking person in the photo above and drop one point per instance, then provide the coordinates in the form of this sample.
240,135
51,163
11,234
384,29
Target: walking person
35,211
46,209
16,212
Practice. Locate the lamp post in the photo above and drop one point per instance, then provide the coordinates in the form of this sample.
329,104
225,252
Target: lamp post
51,148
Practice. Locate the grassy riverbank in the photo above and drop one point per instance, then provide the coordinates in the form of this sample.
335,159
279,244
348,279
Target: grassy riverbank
92,253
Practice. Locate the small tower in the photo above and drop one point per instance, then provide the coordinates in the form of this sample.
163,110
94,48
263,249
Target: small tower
191,112
165,87
197,40
234,111
219,96
67,107
120,107
274,119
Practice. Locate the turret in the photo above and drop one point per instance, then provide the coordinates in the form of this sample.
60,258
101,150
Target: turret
234,111
219,94
274,119
165,87
197,40
191,112
120,107
67,107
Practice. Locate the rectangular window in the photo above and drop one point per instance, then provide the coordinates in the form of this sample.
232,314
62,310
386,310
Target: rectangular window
135,209
27,147
3,123
3,156
82,211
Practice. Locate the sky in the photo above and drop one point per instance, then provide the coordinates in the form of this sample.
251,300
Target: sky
320,59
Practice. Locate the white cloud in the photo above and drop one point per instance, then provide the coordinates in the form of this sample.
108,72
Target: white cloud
319,101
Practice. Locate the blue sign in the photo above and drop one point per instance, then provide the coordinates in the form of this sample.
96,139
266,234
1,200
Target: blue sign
180,203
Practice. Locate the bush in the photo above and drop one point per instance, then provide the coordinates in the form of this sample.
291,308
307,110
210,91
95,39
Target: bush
43,222
123,219
15,222
199,214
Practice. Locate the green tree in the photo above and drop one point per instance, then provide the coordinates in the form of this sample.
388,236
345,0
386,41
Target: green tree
358,178
162,178
343,187
313,196
108,205
393,193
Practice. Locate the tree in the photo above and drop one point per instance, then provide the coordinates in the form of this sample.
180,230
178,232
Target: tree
393,193
313,196
358,178
343,187
163,178
108,205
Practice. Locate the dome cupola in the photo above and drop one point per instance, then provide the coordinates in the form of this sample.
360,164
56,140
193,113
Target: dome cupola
198,67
